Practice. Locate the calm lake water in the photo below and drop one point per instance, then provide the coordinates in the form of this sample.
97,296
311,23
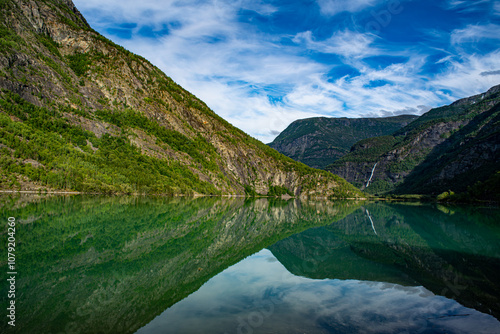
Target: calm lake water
170,265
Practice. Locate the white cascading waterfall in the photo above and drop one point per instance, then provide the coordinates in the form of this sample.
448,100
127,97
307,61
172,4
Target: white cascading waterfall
370,179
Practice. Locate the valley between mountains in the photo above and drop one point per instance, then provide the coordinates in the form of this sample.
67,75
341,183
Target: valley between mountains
80,113
448,150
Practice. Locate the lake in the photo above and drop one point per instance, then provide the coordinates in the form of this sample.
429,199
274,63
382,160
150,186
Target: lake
96,264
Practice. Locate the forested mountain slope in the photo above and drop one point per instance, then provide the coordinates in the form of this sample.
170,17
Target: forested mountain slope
320,141
78,112
455,147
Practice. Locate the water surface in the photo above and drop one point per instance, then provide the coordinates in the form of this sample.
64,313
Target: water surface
167,265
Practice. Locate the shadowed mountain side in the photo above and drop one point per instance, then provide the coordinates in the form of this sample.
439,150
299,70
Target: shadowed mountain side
470,155
448,148
110,265
319,141
450,251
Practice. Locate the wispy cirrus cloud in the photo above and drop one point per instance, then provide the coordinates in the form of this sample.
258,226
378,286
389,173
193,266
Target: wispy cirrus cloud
262,65
466,71
345,43
496,8
475,33
469,6
332,7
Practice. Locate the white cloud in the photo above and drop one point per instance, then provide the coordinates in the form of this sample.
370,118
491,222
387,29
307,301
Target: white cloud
333,7
445,59
496,8
467,5
254,114
234,67
344,43
475,33
315,96
465,76
419,110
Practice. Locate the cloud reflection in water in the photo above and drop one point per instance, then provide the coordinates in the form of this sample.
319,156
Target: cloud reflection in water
258,295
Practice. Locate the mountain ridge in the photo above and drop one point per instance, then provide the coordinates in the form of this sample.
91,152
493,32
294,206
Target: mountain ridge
106,120
451,148
319,141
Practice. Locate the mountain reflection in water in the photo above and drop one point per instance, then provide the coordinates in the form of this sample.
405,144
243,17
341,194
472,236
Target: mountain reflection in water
127,264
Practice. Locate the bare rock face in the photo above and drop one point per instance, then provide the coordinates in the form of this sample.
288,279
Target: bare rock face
57,62
448,148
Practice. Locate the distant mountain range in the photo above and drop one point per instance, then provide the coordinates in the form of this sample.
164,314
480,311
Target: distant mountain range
319,141
452,148
80,113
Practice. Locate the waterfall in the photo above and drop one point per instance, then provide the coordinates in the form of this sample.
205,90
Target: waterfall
370,179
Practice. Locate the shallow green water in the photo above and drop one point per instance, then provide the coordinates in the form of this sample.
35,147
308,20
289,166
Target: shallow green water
146,265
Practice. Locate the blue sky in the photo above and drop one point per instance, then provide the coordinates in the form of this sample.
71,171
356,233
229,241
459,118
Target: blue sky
262,64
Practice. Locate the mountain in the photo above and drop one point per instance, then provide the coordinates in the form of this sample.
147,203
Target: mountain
455,147
319,141
78,112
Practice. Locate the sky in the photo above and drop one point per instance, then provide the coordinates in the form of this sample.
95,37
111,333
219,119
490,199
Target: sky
261,64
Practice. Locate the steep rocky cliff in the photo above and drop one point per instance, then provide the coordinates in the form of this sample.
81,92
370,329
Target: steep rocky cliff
78,112
448,148
320,141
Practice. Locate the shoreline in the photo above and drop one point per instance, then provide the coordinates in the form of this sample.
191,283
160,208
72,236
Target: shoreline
37,192
387,199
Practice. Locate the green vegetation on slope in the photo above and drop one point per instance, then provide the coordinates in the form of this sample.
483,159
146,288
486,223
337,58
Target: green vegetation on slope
451,148
66,157
82,113
71,158
467,156
320,141
368,150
